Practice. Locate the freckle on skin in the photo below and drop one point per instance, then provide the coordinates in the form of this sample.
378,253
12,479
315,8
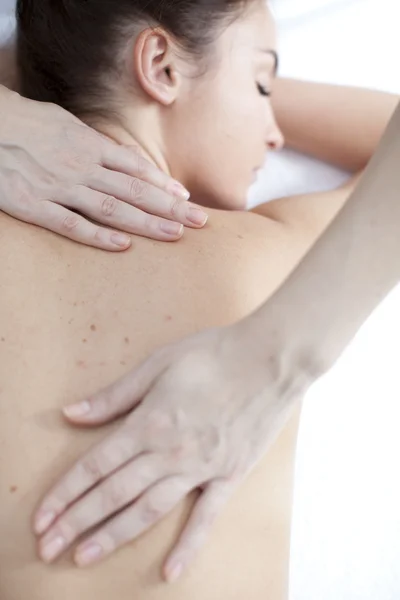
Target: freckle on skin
84,340
240,237
123,363
3,339
126,340
168,318
93,328
81,364
13,489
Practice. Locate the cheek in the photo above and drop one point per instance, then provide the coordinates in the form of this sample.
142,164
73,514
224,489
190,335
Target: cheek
217,142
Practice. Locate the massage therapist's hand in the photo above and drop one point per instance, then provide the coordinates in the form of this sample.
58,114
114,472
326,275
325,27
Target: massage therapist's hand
201,414
52,167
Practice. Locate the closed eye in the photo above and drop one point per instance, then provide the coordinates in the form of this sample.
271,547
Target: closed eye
263,90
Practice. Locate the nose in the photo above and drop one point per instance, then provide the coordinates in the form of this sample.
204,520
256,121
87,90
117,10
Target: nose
275,139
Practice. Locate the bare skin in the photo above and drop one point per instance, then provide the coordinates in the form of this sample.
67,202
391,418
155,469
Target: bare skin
73,320
77,311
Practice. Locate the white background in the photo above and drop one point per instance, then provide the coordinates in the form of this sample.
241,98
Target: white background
346,532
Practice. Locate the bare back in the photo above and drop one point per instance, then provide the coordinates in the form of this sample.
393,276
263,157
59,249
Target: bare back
73,319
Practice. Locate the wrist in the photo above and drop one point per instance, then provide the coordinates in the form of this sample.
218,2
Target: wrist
289,353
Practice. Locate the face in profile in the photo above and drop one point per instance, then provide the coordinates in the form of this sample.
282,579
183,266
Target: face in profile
222,124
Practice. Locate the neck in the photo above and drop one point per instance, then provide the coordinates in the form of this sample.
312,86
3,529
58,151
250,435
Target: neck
127,133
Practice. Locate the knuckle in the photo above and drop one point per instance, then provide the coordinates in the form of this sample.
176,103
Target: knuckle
114,497
151,511
151,223
93,172
174,207
108,206
78,147
98,236
178,452
136,151
67,529
69,223
157,422
48,178
136,189
91,469
141,167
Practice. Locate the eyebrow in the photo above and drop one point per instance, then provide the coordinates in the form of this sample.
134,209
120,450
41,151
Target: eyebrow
275,56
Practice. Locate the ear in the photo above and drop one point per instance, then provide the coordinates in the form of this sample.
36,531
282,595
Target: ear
155,65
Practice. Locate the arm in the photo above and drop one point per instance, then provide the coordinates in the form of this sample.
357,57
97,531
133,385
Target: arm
341,125
352,267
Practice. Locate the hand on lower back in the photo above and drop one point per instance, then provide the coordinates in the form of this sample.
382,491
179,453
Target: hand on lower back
201,414
55,171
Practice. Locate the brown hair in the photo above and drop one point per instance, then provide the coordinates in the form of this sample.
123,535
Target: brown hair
66,48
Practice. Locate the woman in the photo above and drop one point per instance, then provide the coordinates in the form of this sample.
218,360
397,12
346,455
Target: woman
209,67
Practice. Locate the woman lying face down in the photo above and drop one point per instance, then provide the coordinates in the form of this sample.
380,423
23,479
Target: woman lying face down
188,82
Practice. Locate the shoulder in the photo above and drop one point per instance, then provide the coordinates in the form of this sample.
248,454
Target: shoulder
309,214
251,255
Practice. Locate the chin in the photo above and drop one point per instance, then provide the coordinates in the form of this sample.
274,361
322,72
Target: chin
227,200
234,201
227,204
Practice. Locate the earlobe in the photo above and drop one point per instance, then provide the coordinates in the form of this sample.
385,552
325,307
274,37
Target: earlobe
154,66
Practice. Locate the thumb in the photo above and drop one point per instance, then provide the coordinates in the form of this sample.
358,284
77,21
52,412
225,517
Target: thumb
120,397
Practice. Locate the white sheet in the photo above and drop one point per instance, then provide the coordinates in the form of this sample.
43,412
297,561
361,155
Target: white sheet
351,42
346,530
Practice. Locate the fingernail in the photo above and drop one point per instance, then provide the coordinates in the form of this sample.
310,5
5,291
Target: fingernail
179,191
174,573
197,216
53,548
43,520
120,240
77,410
88,554
171,228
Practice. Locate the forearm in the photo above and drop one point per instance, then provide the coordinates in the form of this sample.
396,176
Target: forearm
341,125
349,271
8,68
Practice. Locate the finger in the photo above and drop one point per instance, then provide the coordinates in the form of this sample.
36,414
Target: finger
205,512
155,504
123,395
98,463
151,199
116,492
128,160
114,213
75,227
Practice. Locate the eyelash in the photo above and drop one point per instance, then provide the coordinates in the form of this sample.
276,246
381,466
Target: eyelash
263,91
